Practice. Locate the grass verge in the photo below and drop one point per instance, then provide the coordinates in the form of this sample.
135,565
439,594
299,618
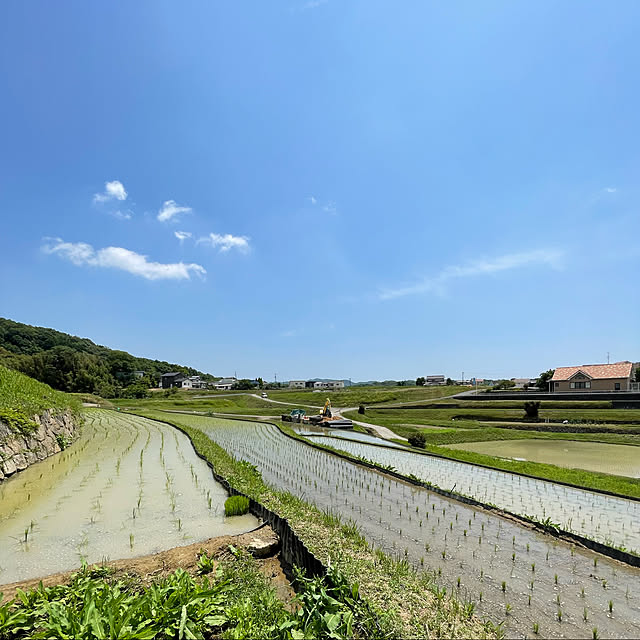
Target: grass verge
22,397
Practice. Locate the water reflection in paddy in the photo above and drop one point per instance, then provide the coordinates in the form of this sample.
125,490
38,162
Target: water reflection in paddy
128,487
617,459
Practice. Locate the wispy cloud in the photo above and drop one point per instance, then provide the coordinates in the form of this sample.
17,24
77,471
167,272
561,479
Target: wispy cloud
313,4
83,254
539,257
226,242
170,209
331,208
121,215
610,189
182,235
113,190
290,333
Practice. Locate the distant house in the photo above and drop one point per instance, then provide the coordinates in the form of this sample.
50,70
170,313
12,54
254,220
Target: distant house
139,374
196,383
592,377
431,381
225,384
329,385
521,383
173,379
296,384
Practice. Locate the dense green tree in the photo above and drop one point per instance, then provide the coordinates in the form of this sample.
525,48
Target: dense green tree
543,379
73,364
420,381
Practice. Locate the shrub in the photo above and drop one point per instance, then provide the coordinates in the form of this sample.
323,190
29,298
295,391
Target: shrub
531,409
361,409
236,506
417,440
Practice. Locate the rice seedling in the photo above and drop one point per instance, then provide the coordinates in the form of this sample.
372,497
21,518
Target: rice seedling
236,505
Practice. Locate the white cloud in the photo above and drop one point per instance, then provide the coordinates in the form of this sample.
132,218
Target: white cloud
540,257
290,333
121,215
313,4
226,242
330,208
170,209
182,235
83,254
610,189
312,200
113,190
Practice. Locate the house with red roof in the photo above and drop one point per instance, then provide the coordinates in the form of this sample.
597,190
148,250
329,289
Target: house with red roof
593,377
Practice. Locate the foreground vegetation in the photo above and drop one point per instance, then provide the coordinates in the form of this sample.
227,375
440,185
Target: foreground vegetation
412,602
233,601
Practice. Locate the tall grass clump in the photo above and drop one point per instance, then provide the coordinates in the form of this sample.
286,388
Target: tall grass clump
236,506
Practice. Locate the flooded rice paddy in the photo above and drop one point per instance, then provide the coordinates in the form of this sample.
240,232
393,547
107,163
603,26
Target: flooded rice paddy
127,487
511,573
618,459
311,431
608,519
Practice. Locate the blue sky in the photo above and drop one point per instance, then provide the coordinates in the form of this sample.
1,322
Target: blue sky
355,189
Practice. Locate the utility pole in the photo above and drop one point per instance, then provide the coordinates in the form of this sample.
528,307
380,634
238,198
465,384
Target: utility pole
607,357
463,377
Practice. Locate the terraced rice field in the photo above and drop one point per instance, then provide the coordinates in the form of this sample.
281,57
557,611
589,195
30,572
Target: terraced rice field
128,487
608,519
511,573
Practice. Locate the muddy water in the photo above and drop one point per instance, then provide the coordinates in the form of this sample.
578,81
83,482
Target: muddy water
512,574
618,459
127,487
614,521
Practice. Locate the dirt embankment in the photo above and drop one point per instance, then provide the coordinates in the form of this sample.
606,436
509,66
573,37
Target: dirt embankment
19,449
263,543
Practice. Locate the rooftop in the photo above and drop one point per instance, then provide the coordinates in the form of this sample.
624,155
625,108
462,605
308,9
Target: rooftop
596,371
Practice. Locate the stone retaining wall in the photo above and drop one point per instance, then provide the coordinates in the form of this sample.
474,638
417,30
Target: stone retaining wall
18,451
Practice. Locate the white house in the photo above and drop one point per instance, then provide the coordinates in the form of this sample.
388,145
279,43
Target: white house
225,384
297,384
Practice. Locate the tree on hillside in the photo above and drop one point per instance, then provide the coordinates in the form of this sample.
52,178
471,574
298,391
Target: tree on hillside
543,379
449,382
420,381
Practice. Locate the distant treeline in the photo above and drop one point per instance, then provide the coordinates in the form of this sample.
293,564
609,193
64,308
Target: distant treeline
73,364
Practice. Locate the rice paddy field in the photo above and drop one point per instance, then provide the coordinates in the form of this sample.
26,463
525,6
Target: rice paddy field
612,520
618,459
533,583
127,487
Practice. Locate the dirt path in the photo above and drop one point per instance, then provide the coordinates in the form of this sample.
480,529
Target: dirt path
158,565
